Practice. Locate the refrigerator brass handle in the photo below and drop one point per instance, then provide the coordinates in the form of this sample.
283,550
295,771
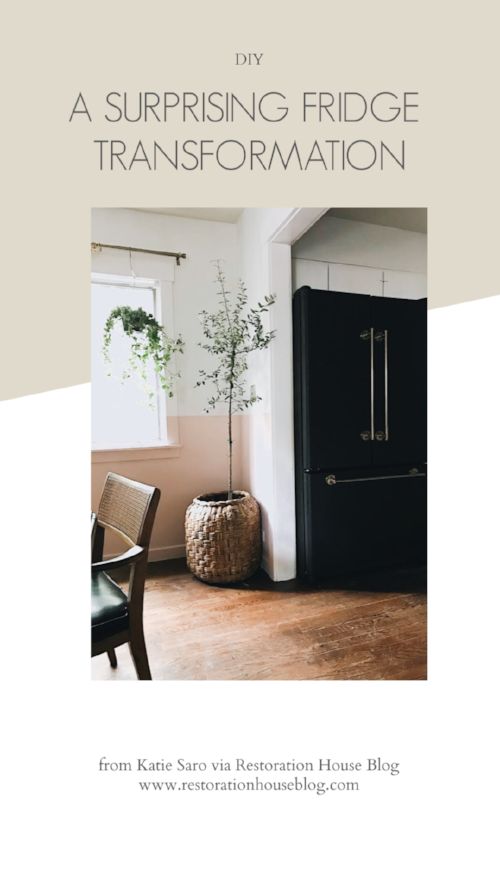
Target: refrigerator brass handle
369,334
386,382
372,388
408,477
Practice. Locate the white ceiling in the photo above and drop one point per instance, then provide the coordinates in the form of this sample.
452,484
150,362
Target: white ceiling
408,218
212,214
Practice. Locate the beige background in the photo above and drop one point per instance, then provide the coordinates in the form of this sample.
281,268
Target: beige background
446,51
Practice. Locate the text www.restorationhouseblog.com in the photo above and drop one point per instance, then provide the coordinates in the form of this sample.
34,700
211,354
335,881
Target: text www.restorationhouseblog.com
298,784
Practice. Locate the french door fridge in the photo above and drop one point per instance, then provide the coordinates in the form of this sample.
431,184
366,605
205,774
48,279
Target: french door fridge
360,431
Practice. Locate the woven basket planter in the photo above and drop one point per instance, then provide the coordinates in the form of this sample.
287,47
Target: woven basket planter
223,537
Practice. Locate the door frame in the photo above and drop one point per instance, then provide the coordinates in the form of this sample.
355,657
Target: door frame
278,257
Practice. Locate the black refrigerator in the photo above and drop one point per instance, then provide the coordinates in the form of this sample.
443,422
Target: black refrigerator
360,392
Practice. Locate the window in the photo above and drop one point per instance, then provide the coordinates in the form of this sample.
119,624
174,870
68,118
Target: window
122,414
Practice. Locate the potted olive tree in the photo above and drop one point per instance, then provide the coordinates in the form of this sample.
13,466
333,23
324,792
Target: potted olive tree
223,533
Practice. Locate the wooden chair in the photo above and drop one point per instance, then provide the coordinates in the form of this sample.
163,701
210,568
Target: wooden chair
129,508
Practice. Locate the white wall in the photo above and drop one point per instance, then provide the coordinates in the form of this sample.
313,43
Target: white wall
254,229
361,243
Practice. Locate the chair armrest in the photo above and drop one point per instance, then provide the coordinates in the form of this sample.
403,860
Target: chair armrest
128,557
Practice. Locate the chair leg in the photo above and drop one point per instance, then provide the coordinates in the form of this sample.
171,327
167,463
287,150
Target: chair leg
139,653
112,658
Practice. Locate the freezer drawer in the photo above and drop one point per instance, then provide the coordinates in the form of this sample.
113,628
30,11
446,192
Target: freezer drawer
350,524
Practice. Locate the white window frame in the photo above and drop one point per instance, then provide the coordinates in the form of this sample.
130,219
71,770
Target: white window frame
168,417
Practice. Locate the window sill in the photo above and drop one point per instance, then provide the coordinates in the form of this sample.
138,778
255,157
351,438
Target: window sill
133,454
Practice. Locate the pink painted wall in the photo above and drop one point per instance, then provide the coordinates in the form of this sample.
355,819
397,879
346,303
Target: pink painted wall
198,466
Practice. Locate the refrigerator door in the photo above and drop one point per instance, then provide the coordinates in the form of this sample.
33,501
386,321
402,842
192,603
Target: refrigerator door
400,333
333,360
352,523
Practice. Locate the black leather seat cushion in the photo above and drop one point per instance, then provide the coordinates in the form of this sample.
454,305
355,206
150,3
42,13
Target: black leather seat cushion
109,607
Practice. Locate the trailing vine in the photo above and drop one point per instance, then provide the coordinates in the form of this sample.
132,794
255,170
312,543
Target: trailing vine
150,344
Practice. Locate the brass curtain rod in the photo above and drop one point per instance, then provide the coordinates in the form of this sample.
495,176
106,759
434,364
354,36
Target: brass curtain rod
177,256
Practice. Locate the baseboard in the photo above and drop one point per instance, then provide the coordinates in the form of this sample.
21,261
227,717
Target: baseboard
159,553
167,553
266,565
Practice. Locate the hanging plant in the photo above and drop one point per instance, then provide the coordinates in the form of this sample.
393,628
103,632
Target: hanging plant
150,345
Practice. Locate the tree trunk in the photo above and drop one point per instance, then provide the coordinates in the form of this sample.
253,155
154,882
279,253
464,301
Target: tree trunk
230,446
230,432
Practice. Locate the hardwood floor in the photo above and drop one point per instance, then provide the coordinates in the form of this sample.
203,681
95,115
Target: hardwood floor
370,627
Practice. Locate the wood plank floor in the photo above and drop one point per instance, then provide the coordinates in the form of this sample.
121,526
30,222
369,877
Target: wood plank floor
370,627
